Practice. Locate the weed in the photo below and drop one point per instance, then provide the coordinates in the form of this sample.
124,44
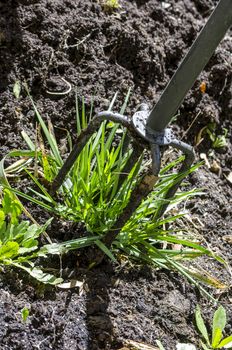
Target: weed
19,239
218,325
218,141
98,188
110,5
24,314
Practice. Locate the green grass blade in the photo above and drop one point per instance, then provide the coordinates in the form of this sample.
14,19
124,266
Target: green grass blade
78,123
51,140
29,198
125,103
41,187
217,336
105,250
28,141
113,102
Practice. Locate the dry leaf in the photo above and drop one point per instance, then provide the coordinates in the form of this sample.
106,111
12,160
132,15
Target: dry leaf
203,156
215,167
17,89
229,177
71,284
203,87
227,239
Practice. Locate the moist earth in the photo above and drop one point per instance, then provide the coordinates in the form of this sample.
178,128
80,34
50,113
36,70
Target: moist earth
55,45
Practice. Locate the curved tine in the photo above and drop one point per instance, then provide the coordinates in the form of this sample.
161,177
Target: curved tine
139,193
155,154
81,141
188,150
114,117
189,158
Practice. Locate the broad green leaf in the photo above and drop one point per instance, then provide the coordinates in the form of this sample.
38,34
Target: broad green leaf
30,243
226,343
43,277
216,338
39,275
201,325
25,250
219,322
11,206
8,250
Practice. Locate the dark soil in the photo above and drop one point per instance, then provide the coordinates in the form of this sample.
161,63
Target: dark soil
140,45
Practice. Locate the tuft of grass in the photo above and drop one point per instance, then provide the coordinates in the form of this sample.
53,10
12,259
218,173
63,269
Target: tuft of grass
94,193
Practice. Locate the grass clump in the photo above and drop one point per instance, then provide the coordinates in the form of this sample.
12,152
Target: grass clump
96,191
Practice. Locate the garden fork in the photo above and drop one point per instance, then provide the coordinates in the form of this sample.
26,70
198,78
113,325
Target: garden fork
148,129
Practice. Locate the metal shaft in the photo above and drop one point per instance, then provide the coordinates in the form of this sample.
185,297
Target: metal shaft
191,66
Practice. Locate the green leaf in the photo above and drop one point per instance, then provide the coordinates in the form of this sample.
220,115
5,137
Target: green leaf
25,313
11,206
226,343
39,275
50,138
105,250
204,347
219,322
60,248
17,89
201,325
2,217
28,140
8,250
43,277
216,338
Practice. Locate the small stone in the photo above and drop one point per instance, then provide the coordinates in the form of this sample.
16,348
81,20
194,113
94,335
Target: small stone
182,346
165,5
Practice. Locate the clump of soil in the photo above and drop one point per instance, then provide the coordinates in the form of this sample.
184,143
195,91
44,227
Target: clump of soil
51,44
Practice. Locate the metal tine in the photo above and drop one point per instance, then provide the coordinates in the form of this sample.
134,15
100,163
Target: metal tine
139,193
186,165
